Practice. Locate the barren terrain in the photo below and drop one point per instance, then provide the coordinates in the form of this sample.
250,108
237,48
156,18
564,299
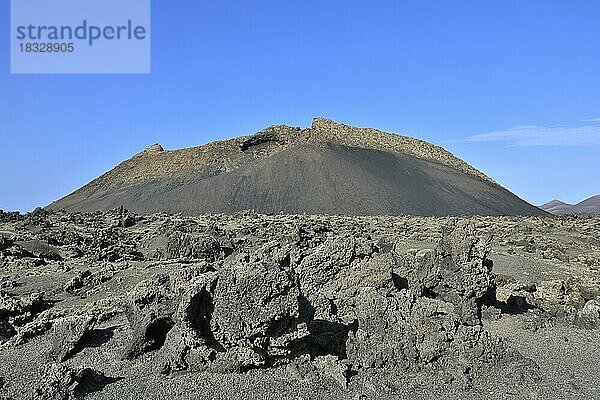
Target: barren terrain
115,305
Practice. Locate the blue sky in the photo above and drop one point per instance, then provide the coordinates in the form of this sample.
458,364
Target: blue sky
512,87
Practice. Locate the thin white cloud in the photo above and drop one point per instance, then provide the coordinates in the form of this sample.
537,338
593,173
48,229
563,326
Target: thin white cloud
591,120
531,135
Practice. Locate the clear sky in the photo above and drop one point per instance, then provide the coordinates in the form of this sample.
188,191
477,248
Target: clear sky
512,87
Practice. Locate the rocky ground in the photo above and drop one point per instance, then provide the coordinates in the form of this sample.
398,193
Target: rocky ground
121,306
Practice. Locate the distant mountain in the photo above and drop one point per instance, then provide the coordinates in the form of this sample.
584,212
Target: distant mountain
587,206
557,207
328,168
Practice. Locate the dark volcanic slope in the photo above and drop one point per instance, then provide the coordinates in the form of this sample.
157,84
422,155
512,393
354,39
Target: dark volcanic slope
326,169
588,206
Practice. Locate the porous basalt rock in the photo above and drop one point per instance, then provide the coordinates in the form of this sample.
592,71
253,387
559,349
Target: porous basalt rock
589,316
68,334
572,300
432,318
241,317
17,311
149,311
39,249
42,322
193,246
346,300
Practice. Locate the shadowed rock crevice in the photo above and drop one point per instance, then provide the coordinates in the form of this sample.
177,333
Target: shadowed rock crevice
156,333
96,337
512,305
324,337
199,314
400,283
259,142
90,381
329,338
64,383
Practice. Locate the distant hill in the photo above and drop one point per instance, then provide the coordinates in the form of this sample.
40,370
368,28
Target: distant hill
587,206
328,168
556,207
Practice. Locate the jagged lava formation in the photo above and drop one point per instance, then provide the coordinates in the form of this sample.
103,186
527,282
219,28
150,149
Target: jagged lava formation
329,168
114,305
